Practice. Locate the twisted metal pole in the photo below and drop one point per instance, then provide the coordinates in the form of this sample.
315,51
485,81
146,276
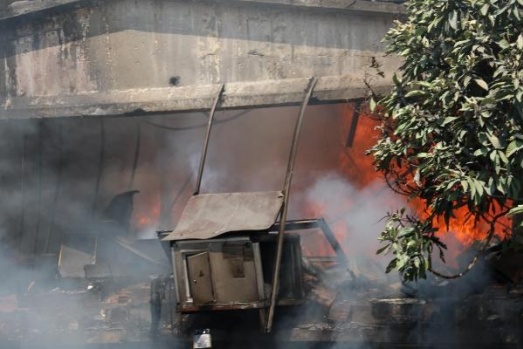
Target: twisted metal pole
206,140
285,206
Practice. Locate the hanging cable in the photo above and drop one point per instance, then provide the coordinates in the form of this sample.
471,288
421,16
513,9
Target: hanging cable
192,127
136,152
183,128
100,168
353,125
58,186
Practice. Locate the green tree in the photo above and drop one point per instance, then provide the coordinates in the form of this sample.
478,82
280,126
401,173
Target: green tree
452,126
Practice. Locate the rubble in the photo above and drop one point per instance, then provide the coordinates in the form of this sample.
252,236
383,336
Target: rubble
377,315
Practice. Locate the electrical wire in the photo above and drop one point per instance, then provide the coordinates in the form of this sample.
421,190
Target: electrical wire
136,152
192,127
184,128
343,145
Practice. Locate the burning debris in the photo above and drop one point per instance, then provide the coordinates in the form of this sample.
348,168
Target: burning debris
343,294
120,209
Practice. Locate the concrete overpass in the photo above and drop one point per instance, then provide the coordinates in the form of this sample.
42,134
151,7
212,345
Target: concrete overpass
121,57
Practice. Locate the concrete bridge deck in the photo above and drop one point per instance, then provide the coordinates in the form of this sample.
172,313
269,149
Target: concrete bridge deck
120,57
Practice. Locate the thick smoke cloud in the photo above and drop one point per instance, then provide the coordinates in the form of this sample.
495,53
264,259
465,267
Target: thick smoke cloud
356,215
58,176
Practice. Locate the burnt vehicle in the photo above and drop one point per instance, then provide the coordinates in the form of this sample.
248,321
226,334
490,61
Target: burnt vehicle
233,270
235,252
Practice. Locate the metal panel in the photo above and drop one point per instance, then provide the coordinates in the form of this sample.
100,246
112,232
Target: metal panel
77,251
291,288
237,275
210,215
200,279
234,272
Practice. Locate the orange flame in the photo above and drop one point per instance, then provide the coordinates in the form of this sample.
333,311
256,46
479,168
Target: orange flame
353,160
359,170
357,167
147,214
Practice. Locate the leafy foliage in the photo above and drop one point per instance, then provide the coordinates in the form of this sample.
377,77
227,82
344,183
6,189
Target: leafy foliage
452,131
411,241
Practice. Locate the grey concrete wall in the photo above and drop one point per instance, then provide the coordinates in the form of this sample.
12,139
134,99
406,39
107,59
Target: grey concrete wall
123,53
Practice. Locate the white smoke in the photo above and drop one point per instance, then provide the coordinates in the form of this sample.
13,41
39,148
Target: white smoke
357,215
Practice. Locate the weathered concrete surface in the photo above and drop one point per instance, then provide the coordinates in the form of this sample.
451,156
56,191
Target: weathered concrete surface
12,8
80,58
191,98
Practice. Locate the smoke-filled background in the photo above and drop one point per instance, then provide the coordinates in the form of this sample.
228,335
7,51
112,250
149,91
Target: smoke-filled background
58,176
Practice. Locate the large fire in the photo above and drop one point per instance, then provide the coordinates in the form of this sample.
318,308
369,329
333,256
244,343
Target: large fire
357,169
360,171
461,232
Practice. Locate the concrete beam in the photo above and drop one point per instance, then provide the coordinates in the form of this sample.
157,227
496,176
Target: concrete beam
116,57
385,7
18,9
236,95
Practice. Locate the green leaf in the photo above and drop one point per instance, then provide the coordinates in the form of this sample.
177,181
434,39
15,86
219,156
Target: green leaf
504,44
481,83
503,157
513,147
453,20
484,9
494,140
466,80
479,188
481,152
396,79
449,119
372,105
519,42
415,93
460,126
515,211
383,249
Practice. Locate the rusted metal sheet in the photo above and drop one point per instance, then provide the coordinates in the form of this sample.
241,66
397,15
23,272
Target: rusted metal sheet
210,215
